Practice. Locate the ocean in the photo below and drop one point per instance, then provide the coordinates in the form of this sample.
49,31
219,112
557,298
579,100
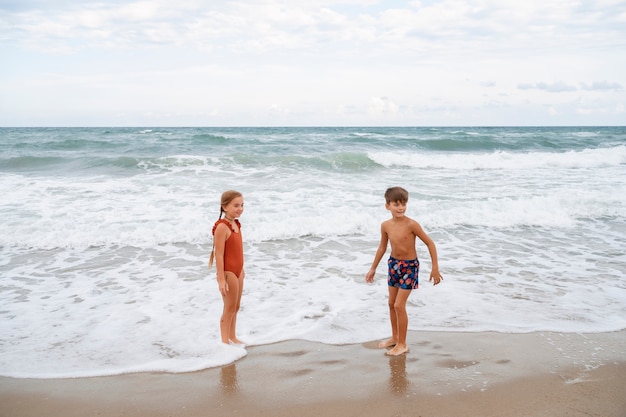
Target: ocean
106,233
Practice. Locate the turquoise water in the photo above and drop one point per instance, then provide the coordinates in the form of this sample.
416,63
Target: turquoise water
89,150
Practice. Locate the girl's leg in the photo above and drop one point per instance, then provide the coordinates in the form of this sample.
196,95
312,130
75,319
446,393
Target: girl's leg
393,293
231,306
233,324
402,322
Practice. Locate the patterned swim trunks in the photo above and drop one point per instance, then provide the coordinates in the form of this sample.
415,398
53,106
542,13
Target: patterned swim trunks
403,274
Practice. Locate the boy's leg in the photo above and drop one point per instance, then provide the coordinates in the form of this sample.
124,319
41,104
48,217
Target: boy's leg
402,322
393,292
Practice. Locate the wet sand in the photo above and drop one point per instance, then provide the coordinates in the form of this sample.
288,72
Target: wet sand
444,374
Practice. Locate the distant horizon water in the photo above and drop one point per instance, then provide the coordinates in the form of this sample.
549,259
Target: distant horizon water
244,126
106,234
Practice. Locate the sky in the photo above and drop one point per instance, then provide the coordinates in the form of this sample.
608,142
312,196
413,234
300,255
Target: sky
312,63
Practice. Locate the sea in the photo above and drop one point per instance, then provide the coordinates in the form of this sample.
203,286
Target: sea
105,235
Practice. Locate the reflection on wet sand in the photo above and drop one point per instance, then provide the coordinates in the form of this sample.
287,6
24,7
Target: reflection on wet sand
398,381
228,379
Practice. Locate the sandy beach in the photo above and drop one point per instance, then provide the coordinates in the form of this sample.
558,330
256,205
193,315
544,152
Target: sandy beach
444,374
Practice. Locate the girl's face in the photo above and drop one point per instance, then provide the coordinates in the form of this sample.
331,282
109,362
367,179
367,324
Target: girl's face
234,209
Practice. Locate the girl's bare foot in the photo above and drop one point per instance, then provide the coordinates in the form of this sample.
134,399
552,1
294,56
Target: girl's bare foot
237,342
387,343
397,350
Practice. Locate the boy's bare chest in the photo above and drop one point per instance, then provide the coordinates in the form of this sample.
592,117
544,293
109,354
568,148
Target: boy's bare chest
400,236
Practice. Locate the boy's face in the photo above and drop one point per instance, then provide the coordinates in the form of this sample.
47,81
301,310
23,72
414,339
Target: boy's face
397,208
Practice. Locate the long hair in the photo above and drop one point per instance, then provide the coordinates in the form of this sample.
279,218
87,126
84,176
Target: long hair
227,197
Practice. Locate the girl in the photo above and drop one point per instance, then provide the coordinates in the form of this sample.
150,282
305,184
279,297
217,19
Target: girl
228,254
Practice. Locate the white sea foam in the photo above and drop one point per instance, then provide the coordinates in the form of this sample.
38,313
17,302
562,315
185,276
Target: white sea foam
587,158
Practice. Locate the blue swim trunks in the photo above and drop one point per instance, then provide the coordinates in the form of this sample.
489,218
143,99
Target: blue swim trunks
403,274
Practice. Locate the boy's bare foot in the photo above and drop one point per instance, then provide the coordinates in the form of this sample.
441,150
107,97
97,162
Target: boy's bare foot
387,343
397,350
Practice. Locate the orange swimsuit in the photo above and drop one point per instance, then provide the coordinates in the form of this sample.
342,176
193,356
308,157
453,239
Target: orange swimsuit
233,248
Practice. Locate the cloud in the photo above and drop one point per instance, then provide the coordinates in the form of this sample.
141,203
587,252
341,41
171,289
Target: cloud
560,87
382,105
602,86
388,61
556,87
254,26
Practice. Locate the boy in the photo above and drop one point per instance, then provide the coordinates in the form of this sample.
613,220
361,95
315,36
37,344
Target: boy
400,231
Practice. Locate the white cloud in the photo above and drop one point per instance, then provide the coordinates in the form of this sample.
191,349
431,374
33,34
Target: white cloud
430,62
555,87
602,86
382,105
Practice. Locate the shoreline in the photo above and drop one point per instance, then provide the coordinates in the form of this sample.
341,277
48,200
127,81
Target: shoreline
444,374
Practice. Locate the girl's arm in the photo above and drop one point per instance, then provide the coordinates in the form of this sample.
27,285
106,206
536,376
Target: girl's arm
222,233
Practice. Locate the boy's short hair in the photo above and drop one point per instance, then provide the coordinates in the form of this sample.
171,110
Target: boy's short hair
396,194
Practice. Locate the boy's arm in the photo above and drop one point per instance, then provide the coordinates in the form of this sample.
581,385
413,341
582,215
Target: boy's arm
435,276
382,248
